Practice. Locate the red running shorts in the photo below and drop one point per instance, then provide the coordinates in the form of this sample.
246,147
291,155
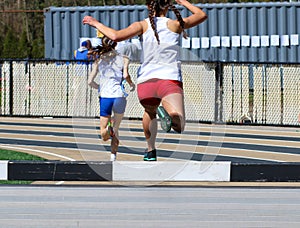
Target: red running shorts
152,91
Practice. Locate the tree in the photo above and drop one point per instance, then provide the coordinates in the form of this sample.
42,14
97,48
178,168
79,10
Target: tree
38,47
10,45
24,46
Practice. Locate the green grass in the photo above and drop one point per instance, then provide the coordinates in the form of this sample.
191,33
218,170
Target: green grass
14,155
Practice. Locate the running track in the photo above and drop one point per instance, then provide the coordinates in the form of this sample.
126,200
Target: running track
119,206
78,139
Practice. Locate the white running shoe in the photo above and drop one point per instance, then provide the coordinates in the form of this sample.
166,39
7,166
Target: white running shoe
113,157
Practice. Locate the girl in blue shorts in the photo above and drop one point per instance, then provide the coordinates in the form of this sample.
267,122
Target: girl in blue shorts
109,69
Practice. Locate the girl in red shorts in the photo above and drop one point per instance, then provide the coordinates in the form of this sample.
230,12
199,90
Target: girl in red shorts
159,77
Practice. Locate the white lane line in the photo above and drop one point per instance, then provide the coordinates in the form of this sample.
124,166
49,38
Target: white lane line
37,151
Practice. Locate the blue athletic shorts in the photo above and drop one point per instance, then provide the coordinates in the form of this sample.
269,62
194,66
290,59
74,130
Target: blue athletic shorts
107,105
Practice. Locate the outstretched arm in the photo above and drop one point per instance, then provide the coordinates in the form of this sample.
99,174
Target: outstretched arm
197,17
132,30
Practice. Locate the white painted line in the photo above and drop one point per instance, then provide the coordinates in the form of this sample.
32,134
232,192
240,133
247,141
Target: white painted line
59,183
3,170
47,117
37,151
171,171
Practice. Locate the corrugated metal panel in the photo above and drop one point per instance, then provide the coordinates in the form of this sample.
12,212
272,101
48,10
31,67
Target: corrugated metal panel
272,30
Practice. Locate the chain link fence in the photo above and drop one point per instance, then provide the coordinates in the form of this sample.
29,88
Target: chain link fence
214,92
262,93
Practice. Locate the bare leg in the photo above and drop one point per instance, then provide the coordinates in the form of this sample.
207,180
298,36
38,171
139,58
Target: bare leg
115,140
174,105
103,127
150,126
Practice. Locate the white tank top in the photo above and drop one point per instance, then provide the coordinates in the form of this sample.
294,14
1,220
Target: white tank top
110,73
160,61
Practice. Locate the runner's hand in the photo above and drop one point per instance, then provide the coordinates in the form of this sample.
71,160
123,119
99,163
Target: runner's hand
89,20
132,87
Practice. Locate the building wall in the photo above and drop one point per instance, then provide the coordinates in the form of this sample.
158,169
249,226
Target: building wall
239,32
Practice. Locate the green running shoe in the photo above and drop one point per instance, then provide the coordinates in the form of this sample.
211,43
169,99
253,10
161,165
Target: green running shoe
150,156
165,119
110,129
146,155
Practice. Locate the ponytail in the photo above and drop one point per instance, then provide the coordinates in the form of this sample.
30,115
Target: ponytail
155,7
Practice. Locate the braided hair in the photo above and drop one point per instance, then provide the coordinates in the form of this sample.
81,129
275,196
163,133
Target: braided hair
108,45
156,7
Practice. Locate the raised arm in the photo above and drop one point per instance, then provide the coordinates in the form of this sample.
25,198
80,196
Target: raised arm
132,30
197,17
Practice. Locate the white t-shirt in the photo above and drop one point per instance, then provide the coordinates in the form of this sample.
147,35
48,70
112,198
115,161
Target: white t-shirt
160,61
110,73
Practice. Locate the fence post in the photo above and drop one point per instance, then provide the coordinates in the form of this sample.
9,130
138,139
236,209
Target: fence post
29,88
219,93
11,89
1,88
67,92
281,94
86,88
